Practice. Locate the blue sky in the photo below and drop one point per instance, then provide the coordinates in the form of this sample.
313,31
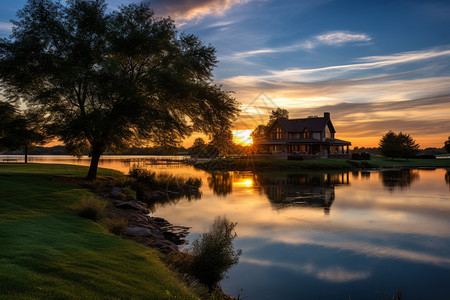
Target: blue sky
375,65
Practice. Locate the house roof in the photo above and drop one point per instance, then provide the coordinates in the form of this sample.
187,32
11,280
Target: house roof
299,125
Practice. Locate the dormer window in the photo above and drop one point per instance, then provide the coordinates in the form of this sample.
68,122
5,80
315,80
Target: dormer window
305,134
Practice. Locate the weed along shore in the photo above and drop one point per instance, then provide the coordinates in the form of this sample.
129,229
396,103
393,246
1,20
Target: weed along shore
63,237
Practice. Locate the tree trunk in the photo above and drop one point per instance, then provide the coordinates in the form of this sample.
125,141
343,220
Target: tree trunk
96,153
26,153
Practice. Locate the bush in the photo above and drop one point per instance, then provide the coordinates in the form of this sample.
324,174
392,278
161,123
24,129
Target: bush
361,156
128,193
356,156
90,208
116,226
214,253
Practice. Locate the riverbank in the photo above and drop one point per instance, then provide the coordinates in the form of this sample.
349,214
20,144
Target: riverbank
47,251
376,162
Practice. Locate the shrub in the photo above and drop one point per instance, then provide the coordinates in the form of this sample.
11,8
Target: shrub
365,156
214,253
356,156
90,208
129,193
116,226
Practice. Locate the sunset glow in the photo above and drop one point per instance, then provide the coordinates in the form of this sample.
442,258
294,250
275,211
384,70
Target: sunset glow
242,137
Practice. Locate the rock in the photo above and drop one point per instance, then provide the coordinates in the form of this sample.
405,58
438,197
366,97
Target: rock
116,192
143,231
136,205
173,238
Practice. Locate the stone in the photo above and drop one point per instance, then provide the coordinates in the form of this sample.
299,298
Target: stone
136,205
116,192
143,231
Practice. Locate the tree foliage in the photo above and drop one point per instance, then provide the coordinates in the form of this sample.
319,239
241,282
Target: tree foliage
278,113
214,253
447,145
260,132
398,145
20,130
112,79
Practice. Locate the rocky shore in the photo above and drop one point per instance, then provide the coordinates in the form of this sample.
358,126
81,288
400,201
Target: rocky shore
151,231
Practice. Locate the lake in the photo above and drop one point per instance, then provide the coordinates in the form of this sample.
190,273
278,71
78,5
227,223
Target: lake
323,235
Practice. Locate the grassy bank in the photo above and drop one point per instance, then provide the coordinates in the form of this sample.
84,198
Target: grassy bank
317,164
46,251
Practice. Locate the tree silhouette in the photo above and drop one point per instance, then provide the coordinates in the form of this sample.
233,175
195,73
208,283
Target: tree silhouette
398,145
112,79
20,130
447,145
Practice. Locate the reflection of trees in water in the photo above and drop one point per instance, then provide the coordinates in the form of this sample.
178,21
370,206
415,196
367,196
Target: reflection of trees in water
221,183
163,198
398,179
447,177
304,190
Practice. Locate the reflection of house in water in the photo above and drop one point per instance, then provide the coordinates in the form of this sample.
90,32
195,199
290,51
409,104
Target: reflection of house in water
304,190
398,179
447,177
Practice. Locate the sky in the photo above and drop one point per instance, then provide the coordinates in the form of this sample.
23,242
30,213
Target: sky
374,65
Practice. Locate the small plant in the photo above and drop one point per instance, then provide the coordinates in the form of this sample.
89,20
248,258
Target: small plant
214,253
90,207
116,226
129,194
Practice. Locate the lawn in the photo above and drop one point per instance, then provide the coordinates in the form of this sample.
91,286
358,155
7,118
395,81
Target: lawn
46,251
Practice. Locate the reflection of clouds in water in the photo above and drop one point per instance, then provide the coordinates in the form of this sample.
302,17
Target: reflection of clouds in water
371,250
332,274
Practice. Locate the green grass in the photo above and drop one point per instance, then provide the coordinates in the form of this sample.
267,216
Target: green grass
383,162
317,164
46,251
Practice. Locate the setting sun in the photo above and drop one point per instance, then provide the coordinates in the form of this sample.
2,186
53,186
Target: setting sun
242,137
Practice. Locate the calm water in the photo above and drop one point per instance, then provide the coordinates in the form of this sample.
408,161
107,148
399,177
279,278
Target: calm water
326,235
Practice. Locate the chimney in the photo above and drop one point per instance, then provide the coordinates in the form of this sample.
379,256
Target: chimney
326,115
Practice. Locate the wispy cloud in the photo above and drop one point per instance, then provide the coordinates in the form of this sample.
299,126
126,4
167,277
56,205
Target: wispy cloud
333,274
341,37
365,63
193,10
333,38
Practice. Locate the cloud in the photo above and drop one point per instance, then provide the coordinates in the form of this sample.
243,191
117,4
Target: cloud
362,64
336,274
333,38
193,10
341,37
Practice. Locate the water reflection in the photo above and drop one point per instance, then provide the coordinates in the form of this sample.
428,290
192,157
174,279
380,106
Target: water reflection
221,183
447,177
398,179
301,190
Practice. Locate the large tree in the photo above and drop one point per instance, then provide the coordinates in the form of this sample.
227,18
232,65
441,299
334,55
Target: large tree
398,145
111,80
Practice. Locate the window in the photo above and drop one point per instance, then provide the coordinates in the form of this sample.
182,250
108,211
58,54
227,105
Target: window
278,134
305,134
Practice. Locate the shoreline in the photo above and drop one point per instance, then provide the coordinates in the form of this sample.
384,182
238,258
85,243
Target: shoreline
376,163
